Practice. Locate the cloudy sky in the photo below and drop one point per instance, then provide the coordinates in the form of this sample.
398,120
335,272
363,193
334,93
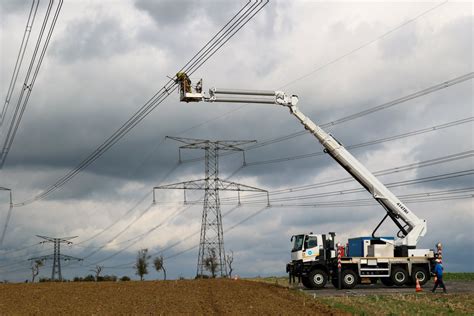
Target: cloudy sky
107,58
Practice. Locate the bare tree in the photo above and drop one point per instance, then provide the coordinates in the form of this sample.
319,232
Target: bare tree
229,259
210,262
97,270
158,262
35,269
142,263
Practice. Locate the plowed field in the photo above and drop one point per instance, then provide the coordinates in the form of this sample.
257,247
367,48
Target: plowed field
219,296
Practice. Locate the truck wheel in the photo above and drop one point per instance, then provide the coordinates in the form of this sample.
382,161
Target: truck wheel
399,276
306,283
421,274
317,279
386,281
349,279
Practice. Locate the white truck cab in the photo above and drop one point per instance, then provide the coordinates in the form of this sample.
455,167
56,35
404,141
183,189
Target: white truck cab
306,247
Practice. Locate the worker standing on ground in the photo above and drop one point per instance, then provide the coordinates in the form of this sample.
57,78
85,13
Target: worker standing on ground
438,272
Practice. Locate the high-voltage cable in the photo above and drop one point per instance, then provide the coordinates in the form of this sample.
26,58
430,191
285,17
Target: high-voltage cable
439,177
19,59
28,84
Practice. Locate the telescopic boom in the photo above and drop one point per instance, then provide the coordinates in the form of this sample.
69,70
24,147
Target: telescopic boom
411,227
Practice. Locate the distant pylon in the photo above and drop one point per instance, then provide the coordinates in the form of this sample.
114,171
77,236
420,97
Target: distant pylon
212,235
56,256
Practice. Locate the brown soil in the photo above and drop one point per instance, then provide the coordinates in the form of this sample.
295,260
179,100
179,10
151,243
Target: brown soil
220,296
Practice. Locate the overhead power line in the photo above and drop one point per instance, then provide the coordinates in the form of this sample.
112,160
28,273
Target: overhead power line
252,200
210,48
19,59
368,202
452,195
29,84
440,177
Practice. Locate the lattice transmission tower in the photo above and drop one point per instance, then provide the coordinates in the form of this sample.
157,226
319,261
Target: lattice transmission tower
56,256
212,235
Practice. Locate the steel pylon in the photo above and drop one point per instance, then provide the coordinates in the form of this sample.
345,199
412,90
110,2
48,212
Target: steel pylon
212,235
56,256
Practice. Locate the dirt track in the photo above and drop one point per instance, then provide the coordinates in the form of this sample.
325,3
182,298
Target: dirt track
379,289
221,296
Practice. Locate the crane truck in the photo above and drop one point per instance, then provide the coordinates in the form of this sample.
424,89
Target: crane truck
317,258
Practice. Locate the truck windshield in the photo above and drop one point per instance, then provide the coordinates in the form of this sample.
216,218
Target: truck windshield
298,242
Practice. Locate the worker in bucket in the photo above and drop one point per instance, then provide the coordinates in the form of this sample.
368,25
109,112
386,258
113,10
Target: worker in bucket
438,272
185,81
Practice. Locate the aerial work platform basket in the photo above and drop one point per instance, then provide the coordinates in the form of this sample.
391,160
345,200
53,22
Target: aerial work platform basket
188,92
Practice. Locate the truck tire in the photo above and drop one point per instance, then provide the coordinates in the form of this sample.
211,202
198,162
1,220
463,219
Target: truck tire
317,279
387,281
399,276
349,279
306,283
420,273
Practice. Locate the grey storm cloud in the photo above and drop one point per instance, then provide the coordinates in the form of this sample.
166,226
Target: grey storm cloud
168,12
13,6
91,38
173,14
106,61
